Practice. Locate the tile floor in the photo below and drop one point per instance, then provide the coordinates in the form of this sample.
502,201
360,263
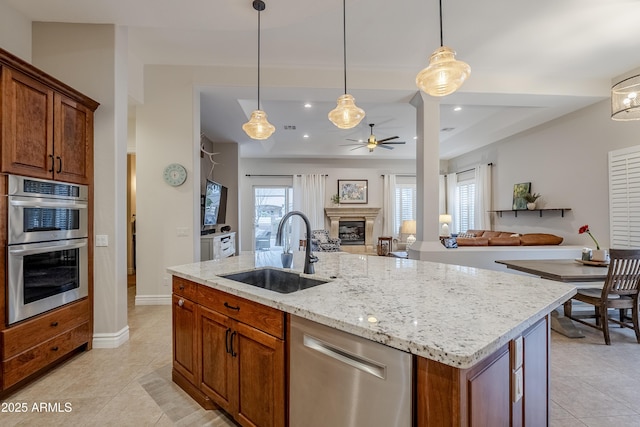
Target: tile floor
591,384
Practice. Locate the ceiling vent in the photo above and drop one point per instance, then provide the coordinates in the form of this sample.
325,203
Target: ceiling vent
289,127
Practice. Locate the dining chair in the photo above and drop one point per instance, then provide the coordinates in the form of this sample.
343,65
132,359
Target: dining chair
620,291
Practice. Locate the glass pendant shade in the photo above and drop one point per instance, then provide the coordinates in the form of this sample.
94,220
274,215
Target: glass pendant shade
444,75
258,127
625,99
347,114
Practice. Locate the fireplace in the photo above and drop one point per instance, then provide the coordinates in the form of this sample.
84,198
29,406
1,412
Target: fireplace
365,217
351,232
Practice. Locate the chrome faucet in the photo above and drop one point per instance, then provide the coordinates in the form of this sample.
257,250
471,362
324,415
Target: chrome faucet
309,258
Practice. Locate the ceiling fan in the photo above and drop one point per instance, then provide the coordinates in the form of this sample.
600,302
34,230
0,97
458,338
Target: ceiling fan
372,142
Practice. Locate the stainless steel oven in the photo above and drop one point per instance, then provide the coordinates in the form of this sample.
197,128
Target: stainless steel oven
47,245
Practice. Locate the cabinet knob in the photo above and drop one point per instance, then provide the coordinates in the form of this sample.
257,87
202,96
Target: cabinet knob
182,287
54,324
181,302
55,348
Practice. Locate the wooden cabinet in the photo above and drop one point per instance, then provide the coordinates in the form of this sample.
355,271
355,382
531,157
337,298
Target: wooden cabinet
484,395
47,127
185,358
240,355
34,344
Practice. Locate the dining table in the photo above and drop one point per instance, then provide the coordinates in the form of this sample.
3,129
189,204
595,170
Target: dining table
575,271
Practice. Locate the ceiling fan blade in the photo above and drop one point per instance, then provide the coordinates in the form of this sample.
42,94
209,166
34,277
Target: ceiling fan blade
394,142
387,139
362,146
384,146
351,145
356,140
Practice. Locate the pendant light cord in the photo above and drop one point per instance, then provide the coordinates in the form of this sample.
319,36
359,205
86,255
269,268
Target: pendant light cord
258,59
441,43
344,42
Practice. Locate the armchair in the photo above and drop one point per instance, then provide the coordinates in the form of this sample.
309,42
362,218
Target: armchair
321,242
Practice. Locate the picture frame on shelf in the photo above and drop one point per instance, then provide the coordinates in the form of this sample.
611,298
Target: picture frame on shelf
354,191
519,191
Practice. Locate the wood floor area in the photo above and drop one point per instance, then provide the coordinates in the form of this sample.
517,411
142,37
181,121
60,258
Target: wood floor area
592,384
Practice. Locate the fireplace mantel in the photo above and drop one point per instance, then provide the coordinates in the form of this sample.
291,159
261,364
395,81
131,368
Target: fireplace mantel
368,215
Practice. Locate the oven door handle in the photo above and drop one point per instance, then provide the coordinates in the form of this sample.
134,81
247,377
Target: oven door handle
47,248
44,204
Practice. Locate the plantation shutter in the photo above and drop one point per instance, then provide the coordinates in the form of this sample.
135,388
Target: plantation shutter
624,197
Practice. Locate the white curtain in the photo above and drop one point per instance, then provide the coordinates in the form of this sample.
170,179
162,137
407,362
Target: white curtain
483,197
308,198
388,205
452,201
442,195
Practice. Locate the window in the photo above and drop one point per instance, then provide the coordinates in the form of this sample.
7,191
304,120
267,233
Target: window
405,203
271,204
465,206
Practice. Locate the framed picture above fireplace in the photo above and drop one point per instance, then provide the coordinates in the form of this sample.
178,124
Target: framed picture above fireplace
353,190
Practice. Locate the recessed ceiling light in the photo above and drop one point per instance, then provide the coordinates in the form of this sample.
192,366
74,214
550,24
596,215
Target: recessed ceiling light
307,105
457,109
306,135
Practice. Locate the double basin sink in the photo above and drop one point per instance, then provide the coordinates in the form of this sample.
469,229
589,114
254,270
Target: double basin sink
284,282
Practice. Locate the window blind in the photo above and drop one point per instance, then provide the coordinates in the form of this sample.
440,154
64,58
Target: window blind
624,197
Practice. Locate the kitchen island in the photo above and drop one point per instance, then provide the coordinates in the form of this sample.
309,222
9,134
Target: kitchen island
479,338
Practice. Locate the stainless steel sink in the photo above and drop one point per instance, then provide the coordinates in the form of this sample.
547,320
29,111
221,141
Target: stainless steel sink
272,279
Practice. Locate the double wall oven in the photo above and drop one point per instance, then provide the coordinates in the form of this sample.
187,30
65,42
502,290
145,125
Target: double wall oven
47,250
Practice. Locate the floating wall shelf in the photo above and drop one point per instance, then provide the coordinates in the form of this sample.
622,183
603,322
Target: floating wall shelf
515,211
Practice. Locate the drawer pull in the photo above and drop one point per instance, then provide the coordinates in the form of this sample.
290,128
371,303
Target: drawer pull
182,287
55,348
230,307
54,324
181,302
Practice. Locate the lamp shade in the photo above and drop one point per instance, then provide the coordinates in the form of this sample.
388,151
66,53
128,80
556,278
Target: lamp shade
408,226
258,127
444,75
445,219
347,114
625,99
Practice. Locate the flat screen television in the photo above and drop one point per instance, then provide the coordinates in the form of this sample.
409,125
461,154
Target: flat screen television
215,204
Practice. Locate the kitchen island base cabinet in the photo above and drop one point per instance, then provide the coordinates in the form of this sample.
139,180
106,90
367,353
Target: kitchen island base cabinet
485,395
238,360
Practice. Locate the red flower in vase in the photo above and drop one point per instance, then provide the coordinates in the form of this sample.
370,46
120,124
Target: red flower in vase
585,229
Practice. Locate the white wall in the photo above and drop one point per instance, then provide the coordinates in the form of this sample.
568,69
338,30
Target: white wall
92,59
566,161
15,32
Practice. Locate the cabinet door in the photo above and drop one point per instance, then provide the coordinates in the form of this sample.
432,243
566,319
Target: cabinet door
27,125
489,391
73,141
184,338
216,378
261,372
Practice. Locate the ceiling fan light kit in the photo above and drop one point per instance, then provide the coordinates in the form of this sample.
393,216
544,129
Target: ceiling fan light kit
347,114
625,99
258,127
445,74
372,142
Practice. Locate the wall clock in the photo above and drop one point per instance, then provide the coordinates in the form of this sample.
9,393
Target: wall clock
175,174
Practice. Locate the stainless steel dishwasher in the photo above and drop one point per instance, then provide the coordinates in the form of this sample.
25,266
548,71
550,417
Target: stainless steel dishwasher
342,380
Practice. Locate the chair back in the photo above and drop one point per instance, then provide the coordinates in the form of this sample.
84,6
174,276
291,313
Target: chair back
623,276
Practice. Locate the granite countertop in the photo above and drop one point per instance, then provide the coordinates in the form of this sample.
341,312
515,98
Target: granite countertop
453,314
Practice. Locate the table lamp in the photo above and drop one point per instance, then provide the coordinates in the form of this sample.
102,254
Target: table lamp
445,219
409,227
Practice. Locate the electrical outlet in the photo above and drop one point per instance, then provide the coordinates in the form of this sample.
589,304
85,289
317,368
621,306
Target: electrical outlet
102,240
182,231
167,281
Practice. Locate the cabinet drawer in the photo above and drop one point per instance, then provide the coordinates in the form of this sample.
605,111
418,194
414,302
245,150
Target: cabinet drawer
259,316
36,358
32,332
185,288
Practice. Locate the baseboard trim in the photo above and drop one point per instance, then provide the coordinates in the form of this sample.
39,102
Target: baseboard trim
153,299
111,340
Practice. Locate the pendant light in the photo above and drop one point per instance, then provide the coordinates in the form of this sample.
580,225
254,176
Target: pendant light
625,99
347,114
445,74
258,127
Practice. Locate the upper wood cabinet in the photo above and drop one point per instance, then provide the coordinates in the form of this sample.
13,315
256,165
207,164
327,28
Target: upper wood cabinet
47,127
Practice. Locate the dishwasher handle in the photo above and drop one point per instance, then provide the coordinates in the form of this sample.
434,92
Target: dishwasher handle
369,366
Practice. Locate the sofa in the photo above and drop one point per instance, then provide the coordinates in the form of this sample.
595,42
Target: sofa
506,238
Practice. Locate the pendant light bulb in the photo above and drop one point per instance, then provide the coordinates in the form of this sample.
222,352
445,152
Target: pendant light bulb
347,114
445,74
258,127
